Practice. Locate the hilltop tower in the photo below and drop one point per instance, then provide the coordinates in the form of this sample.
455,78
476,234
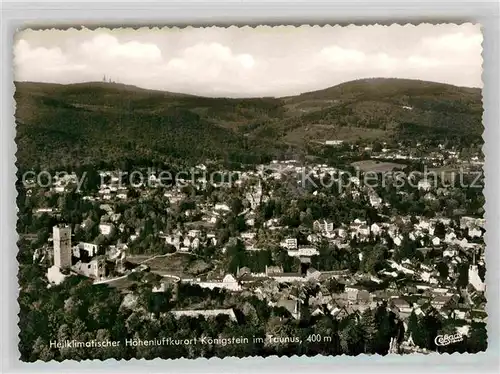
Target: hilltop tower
62,246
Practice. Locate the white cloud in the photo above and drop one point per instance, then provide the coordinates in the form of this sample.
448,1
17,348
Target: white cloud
41,63
423,62
210,59
213,65
246,61
107,47
251,62
24,54
455,42
342,57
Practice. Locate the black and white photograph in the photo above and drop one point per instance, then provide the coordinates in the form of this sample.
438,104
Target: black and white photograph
263,191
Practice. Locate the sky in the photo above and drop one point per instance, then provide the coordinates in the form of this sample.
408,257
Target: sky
250,62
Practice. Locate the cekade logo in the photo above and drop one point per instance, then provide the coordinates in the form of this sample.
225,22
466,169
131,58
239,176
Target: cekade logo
442,340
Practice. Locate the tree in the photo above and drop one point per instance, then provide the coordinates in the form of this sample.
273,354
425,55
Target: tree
463,275
478,340
443,269
351,337
369,327
373,258
41,351
236,205
440,230
415,330
377,147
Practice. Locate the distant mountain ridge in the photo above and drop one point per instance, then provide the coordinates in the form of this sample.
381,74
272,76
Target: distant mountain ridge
85,123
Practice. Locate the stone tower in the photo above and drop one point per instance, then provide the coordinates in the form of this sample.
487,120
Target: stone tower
62,246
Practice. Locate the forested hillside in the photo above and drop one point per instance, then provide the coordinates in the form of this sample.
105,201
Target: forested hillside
89,123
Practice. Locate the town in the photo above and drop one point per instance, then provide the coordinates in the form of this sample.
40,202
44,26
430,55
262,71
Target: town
301,245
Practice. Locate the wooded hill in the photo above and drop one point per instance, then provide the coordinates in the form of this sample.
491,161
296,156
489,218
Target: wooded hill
91,123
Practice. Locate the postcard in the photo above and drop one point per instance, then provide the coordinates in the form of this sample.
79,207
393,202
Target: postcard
254,191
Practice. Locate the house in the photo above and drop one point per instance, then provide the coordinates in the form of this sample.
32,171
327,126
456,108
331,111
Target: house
272,270
115,217
340,232
229,282
364,230
289,243
312,273
397,240
317,312
357,293
222,207
449,253
450,236
107,208
313,238
424,224
436,241
375,200
248,235
440,301
252,247
334,142
375,229
194,233
195,243
424,185
401,307
87,250
176,241
475,232
323,225
288,277
105,228
303,251
475,279
466,222
341,312
293,306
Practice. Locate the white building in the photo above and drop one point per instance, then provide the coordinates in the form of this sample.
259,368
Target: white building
375,229
290,243
424,184
475,279
105,228
475,232
303,252
222,207
229,282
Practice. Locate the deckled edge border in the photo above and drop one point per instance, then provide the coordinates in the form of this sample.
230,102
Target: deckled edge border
338,25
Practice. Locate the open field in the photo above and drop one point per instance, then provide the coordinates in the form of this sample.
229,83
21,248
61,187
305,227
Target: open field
377,166
177,264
